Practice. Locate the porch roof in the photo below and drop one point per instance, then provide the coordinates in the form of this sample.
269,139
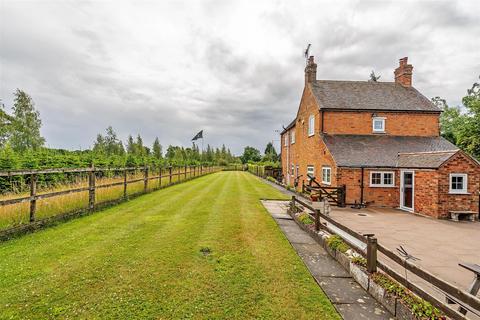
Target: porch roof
424,159
383,151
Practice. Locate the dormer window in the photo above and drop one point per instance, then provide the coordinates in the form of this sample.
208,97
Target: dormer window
378,124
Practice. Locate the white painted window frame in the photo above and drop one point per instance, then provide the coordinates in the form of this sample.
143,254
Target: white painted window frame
311,125
465,183
285,139
382,179
382,119
329,170
292,137
313,170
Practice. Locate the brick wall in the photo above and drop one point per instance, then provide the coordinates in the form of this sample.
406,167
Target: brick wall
307,150
399,124
373,196
459,163
426,192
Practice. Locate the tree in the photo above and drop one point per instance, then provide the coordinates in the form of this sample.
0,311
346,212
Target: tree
5,125
450,119
250,154
26,124
157,149
270,153
131,146
113,146
469,133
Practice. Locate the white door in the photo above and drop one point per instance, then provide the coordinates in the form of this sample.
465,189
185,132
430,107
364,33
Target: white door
407,190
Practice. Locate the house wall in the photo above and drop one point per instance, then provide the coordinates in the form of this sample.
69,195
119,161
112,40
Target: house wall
398,124
307,150
456,202
426,192
373,196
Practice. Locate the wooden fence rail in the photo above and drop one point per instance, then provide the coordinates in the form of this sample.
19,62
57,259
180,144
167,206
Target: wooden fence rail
461,297
163,174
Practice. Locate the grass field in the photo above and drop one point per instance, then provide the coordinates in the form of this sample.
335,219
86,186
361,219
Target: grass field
144,259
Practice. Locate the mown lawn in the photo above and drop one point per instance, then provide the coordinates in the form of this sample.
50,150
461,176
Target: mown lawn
143,259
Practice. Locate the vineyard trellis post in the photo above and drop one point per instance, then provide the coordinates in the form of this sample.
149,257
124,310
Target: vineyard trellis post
170,170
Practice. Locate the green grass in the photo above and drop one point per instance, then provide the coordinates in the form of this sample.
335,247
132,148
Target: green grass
206,249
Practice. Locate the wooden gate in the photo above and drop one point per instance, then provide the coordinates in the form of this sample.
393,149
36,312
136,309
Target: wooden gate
335,195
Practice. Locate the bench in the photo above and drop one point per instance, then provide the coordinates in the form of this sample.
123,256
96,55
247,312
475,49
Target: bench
463,215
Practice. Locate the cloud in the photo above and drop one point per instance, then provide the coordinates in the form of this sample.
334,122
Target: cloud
232,68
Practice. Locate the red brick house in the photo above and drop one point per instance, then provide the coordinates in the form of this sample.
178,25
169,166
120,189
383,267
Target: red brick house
382,141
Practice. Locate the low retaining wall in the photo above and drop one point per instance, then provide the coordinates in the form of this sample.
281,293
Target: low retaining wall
392,303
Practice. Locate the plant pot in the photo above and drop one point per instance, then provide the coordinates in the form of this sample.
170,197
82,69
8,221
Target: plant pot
314,197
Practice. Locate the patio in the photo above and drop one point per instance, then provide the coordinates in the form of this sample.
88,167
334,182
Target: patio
440,244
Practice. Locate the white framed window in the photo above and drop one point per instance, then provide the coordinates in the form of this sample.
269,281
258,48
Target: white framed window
311,125
382,179
310,171
292,170
458,183
378,124
326,175
292,137
285,139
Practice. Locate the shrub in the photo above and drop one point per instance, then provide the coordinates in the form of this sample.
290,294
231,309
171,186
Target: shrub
305,218
419,307
360,261
271,179
336,242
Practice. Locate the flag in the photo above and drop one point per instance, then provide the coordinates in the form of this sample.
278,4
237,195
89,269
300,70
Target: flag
198,136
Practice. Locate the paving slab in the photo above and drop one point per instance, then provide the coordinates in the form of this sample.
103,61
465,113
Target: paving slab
350,300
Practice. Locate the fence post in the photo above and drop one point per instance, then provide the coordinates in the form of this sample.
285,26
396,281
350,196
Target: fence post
91,188
201,169
194,171
160,176
125,176
170,173
317,219
343,197
292,205
145,179
371,253
33,193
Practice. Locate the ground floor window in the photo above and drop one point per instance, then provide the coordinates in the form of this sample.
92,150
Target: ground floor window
292,171
382,179
326,175
458,183
311,171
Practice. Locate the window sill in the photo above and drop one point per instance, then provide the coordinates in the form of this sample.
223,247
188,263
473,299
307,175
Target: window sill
379,132
382,186
327,183
459,193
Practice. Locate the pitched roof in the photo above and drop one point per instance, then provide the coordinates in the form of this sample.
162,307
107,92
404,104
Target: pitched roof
368,95
424,159
379,150
291,125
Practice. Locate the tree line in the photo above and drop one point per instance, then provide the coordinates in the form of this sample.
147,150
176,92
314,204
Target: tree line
22,146
461,125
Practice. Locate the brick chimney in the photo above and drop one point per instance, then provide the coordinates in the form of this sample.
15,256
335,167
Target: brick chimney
310,71
403,74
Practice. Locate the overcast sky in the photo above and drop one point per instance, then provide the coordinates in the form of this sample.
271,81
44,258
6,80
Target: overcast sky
231,68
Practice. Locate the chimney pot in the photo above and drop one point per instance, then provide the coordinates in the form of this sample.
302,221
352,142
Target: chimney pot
403,74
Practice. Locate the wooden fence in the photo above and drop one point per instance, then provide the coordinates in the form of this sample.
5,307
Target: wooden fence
161,176
462,298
